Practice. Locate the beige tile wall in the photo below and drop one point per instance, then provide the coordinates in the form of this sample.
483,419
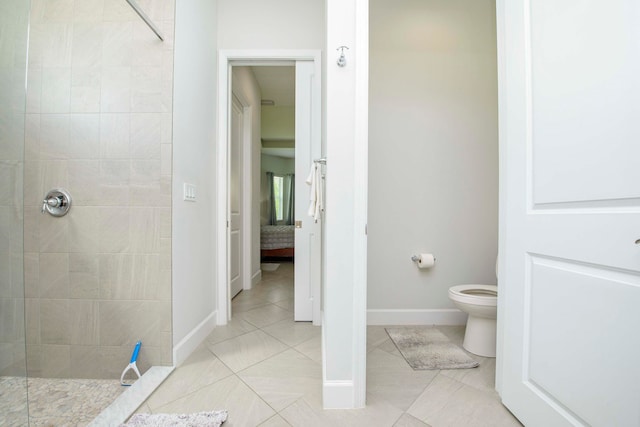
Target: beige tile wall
98,123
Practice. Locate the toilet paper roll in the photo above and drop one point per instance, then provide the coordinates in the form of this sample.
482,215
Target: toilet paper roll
426,261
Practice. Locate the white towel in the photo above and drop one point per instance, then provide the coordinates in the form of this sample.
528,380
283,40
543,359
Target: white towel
315,192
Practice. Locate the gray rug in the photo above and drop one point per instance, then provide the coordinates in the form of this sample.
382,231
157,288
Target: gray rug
429,349
204,419
269,266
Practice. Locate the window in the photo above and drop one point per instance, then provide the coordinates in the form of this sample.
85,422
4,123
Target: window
278,192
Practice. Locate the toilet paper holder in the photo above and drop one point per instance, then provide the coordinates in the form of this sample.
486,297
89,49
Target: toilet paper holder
416,258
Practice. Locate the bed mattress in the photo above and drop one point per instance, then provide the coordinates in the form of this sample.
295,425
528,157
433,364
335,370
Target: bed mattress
277,236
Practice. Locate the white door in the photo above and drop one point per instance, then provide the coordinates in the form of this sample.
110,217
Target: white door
307,234
570,216
235,200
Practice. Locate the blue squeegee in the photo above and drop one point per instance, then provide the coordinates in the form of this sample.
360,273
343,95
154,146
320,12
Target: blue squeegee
132,364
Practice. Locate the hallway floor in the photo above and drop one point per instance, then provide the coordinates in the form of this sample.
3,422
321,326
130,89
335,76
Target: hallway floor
265,369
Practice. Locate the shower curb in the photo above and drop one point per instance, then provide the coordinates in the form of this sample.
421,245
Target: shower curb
126,404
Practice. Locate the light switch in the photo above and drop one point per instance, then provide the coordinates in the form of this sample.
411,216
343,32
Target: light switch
189,192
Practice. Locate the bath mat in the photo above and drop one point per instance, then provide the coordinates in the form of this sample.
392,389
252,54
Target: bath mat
208,419
270,266
429,349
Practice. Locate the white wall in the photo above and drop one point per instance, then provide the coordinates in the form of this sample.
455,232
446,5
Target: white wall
203,27
344,323
279,123
279,166
273,24
194,130
277,24
245,84
433,156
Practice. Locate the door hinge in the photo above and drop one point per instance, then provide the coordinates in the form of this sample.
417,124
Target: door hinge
298,224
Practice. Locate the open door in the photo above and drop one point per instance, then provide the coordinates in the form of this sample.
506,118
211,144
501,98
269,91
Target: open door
570,216
307,234
235,200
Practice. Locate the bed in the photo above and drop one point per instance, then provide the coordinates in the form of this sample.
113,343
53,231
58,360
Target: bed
277,241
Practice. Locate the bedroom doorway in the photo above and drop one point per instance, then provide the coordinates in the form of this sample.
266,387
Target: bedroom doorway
240,254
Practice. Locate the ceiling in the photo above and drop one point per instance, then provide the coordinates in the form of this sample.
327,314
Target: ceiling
277,84
289,153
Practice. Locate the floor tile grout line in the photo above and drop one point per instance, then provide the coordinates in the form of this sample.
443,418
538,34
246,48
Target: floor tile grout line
301,353
227,339
288,347
291,346
153,410
492,391
290,405
398,419
264,326
263,360
418,395
259,396
277,414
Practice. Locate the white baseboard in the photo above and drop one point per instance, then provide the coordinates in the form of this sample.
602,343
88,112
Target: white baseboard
256,278
337,395
450,316
188,344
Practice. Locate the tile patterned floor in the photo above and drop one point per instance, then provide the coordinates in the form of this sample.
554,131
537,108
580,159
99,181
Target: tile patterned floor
265,369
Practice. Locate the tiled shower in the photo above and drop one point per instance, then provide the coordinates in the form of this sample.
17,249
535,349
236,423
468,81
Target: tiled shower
77,291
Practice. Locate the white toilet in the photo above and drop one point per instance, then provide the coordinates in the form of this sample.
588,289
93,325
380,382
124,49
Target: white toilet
480,302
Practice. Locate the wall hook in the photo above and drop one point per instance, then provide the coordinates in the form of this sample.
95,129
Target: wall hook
342,60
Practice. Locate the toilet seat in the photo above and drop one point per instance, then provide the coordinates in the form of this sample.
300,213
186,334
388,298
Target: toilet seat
484,295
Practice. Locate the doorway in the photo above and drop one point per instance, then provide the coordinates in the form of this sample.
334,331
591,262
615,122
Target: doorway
238,251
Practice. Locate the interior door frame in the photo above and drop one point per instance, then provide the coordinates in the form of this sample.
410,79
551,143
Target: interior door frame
227,59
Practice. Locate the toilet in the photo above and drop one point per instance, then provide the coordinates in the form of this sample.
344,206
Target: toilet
480,302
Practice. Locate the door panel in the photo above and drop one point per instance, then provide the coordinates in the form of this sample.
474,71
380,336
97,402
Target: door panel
564,344
307,237
584,94
235,200
570,285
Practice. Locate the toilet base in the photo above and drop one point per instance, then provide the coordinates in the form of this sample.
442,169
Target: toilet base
480,336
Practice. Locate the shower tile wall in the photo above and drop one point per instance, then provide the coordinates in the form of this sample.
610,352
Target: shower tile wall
13,48
98,123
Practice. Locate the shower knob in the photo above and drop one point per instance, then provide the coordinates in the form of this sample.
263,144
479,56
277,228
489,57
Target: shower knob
57,202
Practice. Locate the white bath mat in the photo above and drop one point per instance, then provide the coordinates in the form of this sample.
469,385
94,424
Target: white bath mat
205,419
429,349
269,266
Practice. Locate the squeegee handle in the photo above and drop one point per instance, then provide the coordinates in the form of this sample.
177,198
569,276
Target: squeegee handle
136,350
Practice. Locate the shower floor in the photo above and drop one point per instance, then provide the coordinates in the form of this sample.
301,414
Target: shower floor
56,402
